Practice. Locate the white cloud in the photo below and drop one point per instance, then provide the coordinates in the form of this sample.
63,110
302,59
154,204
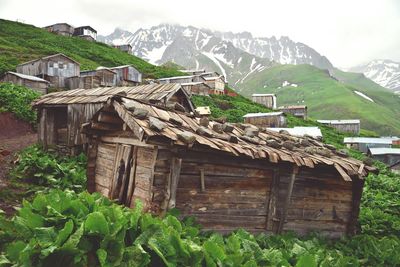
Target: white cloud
347,32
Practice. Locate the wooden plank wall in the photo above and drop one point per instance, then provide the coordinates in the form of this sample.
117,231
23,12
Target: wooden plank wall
318,203
228,198
104,172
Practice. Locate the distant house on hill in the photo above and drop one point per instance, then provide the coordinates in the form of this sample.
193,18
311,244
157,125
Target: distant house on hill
299,111
194,72
127,75
127,48
64,29
61,114
364,143
199,81
345,126
272,119
86,32
100,77
268,100
196,88
314,132
389,156
55,69
38,84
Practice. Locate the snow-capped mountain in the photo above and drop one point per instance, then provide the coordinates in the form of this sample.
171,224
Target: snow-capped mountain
382,71
282,50
236,56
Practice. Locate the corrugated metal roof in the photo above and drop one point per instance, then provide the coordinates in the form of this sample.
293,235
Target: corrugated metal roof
300,131
148,92
293,107
384,151
367,140
252,115
339,121
28,77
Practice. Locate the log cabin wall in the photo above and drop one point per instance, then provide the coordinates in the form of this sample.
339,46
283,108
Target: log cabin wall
320,201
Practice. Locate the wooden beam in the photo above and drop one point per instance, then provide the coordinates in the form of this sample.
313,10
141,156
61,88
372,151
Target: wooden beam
357,189
272,200
104,126
287,201
124,140
109,118
176,165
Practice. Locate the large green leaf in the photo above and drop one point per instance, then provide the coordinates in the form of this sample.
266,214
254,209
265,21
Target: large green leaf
96,223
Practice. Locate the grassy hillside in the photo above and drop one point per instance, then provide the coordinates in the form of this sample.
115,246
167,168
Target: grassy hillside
328,97
21,42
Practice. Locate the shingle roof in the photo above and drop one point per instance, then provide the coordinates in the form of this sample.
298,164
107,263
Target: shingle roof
28,77
367,140
150,92
271,146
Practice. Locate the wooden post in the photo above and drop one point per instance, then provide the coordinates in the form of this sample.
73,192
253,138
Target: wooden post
271,201
287,201
202,182
176,164
357,188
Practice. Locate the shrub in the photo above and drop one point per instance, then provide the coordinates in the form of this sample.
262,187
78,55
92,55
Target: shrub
17,100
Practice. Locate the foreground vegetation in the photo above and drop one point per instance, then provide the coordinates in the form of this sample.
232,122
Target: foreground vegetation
17,100
21,42
68,228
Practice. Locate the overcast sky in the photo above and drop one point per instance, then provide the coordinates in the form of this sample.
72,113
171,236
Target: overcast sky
348,32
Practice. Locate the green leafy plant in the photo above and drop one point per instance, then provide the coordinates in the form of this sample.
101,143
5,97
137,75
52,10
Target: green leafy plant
17,100
47,169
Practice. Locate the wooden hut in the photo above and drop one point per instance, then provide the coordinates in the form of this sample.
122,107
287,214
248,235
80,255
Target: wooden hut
345,126
127,48
271,119
389,156
227,176
55,69
197,88
100,77
364,143
61,114
33,82
86,32
216,83
127,75
64,29
299,111
268,100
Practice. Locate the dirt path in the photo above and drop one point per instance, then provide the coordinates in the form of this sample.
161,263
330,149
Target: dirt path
10,144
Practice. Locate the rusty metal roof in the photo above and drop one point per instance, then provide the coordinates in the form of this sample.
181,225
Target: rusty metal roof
150,92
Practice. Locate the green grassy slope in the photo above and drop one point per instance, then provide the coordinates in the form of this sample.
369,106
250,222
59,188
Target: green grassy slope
21,42
328,97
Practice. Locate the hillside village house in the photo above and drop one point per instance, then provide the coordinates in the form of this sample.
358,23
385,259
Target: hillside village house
127,75
268,100
197,88
389,156
86,32
61,114
64,29
314,132
226,176
199,82
299,111
38,84
345,126
271,119
364,143
127,48
55,69
100,77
